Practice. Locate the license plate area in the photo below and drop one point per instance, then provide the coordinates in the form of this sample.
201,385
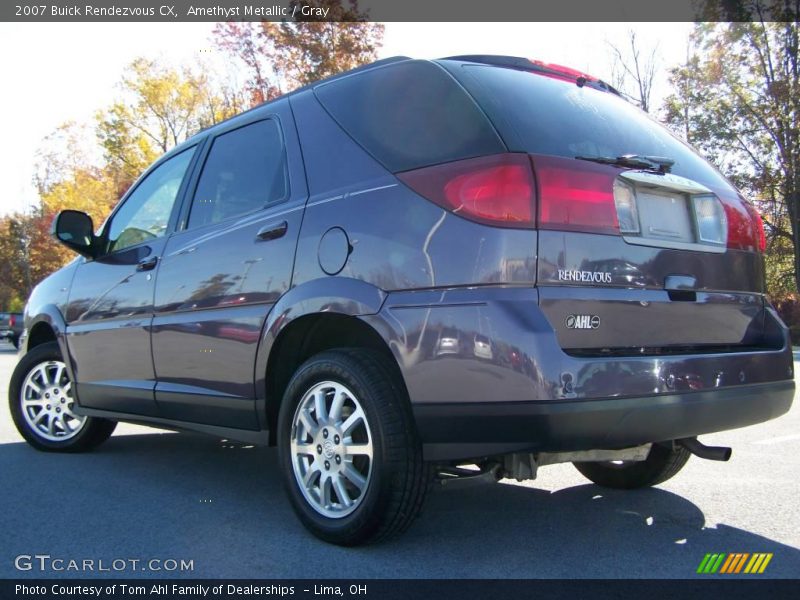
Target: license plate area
665,216
669,211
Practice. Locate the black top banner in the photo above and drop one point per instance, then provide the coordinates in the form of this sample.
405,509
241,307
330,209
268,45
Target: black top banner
400,10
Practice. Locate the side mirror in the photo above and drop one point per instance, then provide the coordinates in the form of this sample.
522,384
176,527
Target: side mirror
75,230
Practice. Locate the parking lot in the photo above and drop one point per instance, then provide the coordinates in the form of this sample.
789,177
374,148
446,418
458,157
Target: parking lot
147,494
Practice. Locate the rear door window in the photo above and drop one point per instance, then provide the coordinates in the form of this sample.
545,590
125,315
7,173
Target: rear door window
245,171
410,114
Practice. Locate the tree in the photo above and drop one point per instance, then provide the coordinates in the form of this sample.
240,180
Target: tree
27,256
69,147
13,284
280,57
220,94
249,43
62,174
308,51
89,169
737,99
160,107
633,70
69,173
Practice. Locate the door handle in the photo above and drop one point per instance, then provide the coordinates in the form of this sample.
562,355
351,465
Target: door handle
681,288
680,283
272,232
147,264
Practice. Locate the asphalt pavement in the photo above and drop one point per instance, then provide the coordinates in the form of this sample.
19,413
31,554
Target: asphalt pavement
147,494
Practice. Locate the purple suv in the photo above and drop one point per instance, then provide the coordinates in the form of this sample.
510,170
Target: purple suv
411,268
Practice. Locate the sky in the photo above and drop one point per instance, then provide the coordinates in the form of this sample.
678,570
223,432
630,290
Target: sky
56,72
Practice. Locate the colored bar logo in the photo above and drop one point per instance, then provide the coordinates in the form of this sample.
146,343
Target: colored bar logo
737,562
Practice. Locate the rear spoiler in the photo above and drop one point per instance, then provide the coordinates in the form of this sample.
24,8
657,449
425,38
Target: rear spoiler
536,66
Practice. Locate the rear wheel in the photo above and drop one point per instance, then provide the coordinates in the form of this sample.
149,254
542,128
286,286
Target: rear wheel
663,462
348,449
42,405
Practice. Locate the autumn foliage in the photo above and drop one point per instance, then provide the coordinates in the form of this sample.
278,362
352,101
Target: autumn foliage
89,166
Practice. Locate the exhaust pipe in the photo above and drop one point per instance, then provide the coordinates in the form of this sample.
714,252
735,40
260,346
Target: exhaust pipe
722,453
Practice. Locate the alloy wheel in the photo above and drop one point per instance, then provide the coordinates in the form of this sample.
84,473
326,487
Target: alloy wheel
332,450
47,403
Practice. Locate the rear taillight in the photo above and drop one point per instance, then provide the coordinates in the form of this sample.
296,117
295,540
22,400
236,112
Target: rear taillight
759,225
710,219
745,227
497,190
12,321
576,195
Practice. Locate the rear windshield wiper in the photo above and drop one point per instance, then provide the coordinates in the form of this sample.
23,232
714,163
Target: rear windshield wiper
659,164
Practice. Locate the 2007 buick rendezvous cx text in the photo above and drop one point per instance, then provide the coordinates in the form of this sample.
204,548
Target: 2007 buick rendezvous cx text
89,10
409,268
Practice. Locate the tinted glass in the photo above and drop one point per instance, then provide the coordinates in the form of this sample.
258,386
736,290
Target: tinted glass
410,115
542,115
245,171
145,214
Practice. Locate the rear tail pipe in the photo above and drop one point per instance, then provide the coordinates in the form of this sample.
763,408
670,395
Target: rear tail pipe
722,453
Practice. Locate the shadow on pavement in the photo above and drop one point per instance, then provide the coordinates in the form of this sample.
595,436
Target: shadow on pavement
222,505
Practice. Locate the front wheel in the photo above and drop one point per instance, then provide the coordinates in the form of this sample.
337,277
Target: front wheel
348,449
42,405
663,462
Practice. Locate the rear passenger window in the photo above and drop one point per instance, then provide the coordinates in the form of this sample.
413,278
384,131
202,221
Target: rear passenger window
408,115
245,171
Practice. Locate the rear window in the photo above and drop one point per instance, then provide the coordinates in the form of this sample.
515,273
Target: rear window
410,115
542,115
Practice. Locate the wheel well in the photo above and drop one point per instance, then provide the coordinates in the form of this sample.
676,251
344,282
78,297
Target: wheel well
310,335
41,333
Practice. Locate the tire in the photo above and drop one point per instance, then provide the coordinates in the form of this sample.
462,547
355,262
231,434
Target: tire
663,462
394,479
58,429
15,341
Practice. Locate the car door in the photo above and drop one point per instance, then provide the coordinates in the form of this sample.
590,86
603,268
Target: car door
110,304
224,270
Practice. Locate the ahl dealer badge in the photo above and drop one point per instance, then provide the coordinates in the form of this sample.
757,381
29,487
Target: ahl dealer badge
582,322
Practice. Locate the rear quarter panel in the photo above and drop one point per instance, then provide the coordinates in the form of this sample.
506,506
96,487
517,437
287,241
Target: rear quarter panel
397,239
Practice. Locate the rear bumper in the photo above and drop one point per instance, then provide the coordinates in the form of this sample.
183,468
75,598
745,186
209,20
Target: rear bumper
460,431
486,375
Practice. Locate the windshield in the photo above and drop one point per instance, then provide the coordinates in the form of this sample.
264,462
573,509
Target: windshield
543,115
